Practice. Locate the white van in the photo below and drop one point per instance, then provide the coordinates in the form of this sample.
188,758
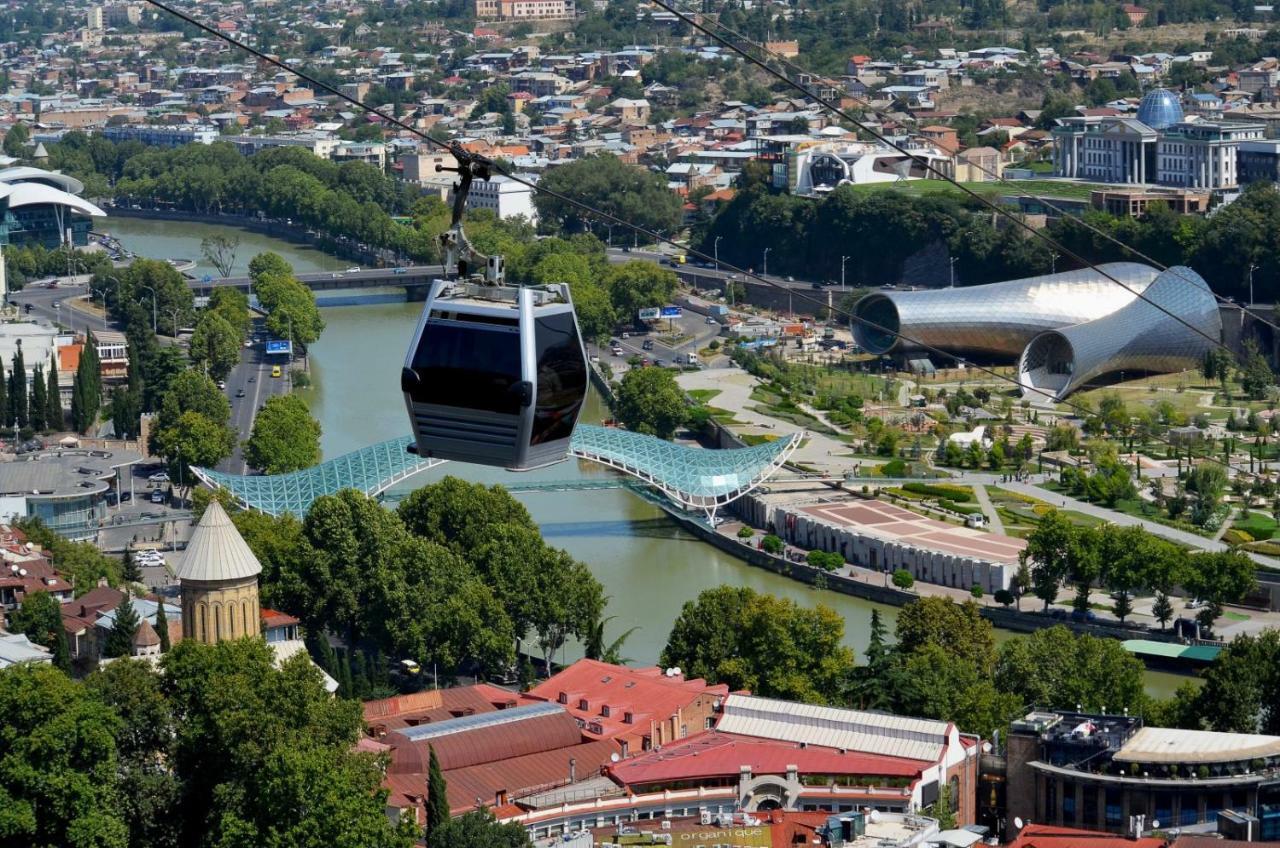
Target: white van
692,359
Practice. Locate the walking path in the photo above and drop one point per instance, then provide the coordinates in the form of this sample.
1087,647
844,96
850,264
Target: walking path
988,509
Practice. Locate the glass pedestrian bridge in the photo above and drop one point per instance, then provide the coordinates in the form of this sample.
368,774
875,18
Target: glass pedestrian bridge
694,478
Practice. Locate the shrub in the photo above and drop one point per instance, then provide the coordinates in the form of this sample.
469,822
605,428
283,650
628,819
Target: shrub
772,544
1003,597
1237,537
976,591
903,579
894,468
745,532
824,560
300,379
933,490
963,509
1202,772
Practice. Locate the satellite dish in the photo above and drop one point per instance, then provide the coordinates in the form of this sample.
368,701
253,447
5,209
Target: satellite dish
874,816
1155,824
1017,822
613,758
986,747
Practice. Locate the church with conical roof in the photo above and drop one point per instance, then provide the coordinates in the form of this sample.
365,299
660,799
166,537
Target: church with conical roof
219,582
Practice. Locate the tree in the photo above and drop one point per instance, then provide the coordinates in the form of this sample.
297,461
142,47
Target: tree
1048,550
119,641
650,401
461,515
38,404
479,829
39,617
55,417
147,290
437,795
1218,578
1055,668
1241,692
215,344
1255,373
59,785
162,627
125,412
604,182
233,305
959,629
86,393
192,426
268,264
759,642
291,308
638,285
903,579
285,437
18,389
220,252
15,140
1162,609
6,412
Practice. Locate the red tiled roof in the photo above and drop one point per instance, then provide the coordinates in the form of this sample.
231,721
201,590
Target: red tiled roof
523,775
643,692
713,754
1046,836
274,618
436,705
486,744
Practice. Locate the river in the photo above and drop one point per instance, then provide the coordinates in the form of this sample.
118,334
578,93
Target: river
648,566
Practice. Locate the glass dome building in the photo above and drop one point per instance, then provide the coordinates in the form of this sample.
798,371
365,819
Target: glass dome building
1160,109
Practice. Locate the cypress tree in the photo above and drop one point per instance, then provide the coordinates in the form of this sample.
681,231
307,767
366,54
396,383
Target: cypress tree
119,641
162,628
18,391
437,795
39,404
77,403
130,571
6,420
55,418
61,651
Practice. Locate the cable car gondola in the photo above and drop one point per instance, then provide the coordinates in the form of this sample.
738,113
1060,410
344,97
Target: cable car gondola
495,375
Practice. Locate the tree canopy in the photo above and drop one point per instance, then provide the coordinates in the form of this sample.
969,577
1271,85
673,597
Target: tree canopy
650,401
285,437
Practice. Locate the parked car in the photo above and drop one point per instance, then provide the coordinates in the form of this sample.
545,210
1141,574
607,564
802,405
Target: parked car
647,344
400,271
157,497
354,269
159,477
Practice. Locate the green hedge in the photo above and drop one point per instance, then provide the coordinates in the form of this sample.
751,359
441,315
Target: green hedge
949,492
963,509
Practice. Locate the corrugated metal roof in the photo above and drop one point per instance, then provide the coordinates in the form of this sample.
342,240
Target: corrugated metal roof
217,551
854,730
475,722
1170,745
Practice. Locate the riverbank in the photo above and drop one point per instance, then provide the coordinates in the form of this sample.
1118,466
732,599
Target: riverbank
338,247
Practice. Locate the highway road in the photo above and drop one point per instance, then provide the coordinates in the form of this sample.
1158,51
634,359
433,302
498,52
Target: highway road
252,377
56,305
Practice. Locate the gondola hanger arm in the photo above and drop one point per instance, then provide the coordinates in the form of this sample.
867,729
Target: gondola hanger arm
458,250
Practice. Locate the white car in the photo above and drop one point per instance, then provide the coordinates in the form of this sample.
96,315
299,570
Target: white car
149,558
159,477
354,269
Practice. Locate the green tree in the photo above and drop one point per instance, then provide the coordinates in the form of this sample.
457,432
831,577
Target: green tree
460,514
39,617
1049,553
285,437
162,628
903,579
650,401
233,305
55,417
1241,692
147,290
6,412
759,642
437,795
1218,578
18,389
38,404
605,183
59,783
937,684
119,641
958,629
1255,374
15,141
86,393
268,264
638,285
1055,668
291,308
192,425
215,344
125,412
479,829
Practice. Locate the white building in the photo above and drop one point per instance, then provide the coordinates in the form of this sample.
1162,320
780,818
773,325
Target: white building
506,197
1203,154
818,169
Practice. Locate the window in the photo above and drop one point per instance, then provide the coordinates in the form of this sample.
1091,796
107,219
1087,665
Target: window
473,366
561,376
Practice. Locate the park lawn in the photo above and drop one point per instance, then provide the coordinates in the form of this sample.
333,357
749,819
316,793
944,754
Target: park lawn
1232,615
1258,525
703,395
1043,188
753,439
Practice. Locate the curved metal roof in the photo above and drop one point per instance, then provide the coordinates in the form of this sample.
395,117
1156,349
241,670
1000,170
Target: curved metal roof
26,174
692,477
33,194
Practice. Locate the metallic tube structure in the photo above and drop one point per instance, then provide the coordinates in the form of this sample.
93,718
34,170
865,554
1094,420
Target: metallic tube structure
1137,338
997,319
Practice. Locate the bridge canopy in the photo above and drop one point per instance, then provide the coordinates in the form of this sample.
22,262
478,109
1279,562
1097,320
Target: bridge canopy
692,477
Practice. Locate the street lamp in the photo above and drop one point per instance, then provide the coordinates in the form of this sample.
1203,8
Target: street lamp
952,262
1053,262
717,250
1252,268
843,259
154,324
765,265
